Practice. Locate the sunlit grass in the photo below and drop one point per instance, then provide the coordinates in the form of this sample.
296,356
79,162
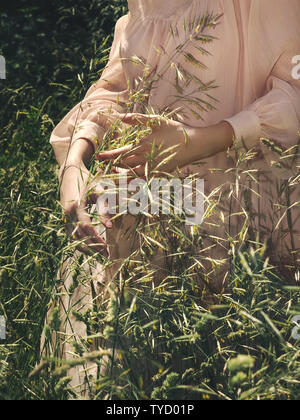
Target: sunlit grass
178,338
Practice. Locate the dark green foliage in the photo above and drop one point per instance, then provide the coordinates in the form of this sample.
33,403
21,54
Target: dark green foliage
46,45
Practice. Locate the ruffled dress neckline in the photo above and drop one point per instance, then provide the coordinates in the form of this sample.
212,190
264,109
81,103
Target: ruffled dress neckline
163,9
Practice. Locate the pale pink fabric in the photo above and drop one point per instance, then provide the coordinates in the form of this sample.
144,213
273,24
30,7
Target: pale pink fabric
251,63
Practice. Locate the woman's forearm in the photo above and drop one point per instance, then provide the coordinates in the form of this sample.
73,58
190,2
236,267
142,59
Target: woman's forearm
202,143
81,150
190,144
208,141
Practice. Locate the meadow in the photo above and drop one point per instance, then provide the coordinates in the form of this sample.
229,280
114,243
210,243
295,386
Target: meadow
243,346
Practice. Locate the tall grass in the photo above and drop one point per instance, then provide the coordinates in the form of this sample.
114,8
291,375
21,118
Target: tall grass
147,339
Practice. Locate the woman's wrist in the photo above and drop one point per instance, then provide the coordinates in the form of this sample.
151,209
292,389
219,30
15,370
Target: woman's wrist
75,164
81,152
208,141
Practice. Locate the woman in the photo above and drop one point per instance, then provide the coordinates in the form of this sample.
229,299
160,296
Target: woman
257,96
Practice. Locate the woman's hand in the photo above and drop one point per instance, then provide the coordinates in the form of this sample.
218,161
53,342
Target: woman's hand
171,145
74,190
163,151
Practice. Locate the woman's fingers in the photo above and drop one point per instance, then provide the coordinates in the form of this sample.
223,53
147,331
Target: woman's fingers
135,119
88,248
90,240
84,220
80,244
114,154
132,161
79,228
138,171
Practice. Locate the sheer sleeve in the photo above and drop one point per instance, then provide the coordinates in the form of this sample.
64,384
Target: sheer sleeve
276,115
90,118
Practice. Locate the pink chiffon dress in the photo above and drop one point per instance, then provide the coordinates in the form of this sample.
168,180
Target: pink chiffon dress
252,63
